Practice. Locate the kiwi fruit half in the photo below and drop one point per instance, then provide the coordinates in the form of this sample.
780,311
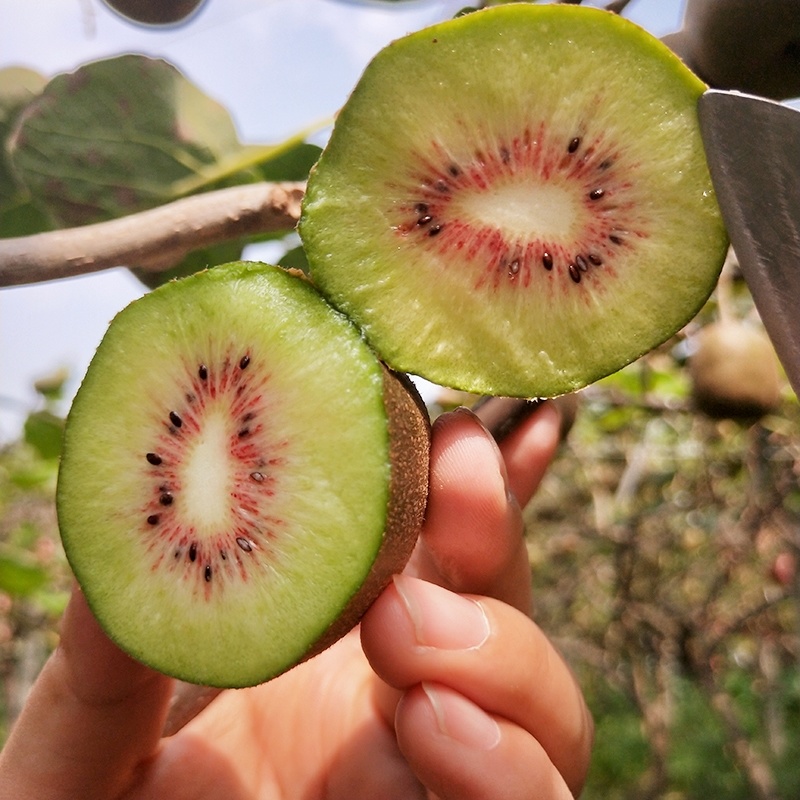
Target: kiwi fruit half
517,201
240,476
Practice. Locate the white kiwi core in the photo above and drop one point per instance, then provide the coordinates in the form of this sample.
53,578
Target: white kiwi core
206,477
527,210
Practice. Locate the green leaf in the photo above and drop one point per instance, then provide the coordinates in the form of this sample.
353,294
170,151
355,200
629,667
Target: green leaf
51,386
45,432
291,162
34,476
115,137
18,87
129,133
18,577
295,259
195,262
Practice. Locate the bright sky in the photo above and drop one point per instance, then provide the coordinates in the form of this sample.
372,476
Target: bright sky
277,65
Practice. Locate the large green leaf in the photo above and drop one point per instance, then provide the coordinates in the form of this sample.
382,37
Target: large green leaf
114,137
129,133
18,87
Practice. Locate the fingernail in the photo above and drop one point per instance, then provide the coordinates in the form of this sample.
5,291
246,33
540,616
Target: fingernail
461,720
441,618
492,443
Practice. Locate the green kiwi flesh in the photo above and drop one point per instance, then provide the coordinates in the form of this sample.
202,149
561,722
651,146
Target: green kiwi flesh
517,201
241,476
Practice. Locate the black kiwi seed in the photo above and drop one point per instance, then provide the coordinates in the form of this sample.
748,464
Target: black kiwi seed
193,551
454,170
244,362
441,186
175,419
207,573
505,155
547,260
574,144
595,259
581,263
596,194
574,273
424,220
166,499
615,238
421,208
605,164
202,371
223,555
513,267
244,544
153,519
258,477
434,230
154,459
243,433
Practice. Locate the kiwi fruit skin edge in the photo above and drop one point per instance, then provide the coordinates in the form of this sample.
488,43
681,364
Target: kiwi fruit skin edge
497,324
212,650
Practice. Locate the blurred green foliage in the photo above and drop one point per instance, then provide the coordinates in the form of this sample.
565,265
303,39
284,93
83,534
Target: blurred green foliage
664,548
34,577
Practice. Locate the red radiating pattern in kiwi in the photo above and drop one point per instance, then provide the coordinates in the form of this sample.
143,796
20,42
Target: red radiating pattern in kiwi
584,169
208,557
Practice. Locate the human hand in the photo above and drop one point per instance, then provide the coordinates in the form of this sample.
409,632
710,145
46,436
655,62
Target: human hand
448,689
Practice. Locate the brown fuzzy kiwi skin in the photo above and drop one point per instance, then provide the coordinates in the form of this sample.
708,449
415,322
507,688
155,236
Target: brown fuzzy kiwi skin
734,372
409,450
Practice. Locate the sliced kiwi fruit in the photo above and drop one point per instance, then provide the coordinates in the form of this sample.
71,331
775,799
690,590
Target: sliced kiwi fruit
517,201
240,476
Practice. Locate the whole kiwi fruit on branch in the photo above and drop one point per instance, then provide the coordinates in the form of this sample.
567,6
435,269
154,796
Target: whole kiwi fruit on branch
156,12
734,371
514,202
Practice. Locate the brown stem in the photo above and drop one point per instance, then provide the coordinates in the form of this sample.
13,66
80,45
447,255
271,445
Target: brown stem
617,6
152,240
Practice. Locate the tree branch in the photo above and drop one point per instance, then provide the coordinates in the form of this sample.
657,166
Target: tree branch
152,240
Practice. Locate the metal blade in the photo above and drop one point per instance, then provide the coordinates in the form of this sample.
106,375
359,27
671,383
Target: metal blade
753,150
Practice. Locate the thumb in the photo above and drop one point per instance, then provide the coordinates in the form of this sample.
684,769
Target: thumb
93,716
